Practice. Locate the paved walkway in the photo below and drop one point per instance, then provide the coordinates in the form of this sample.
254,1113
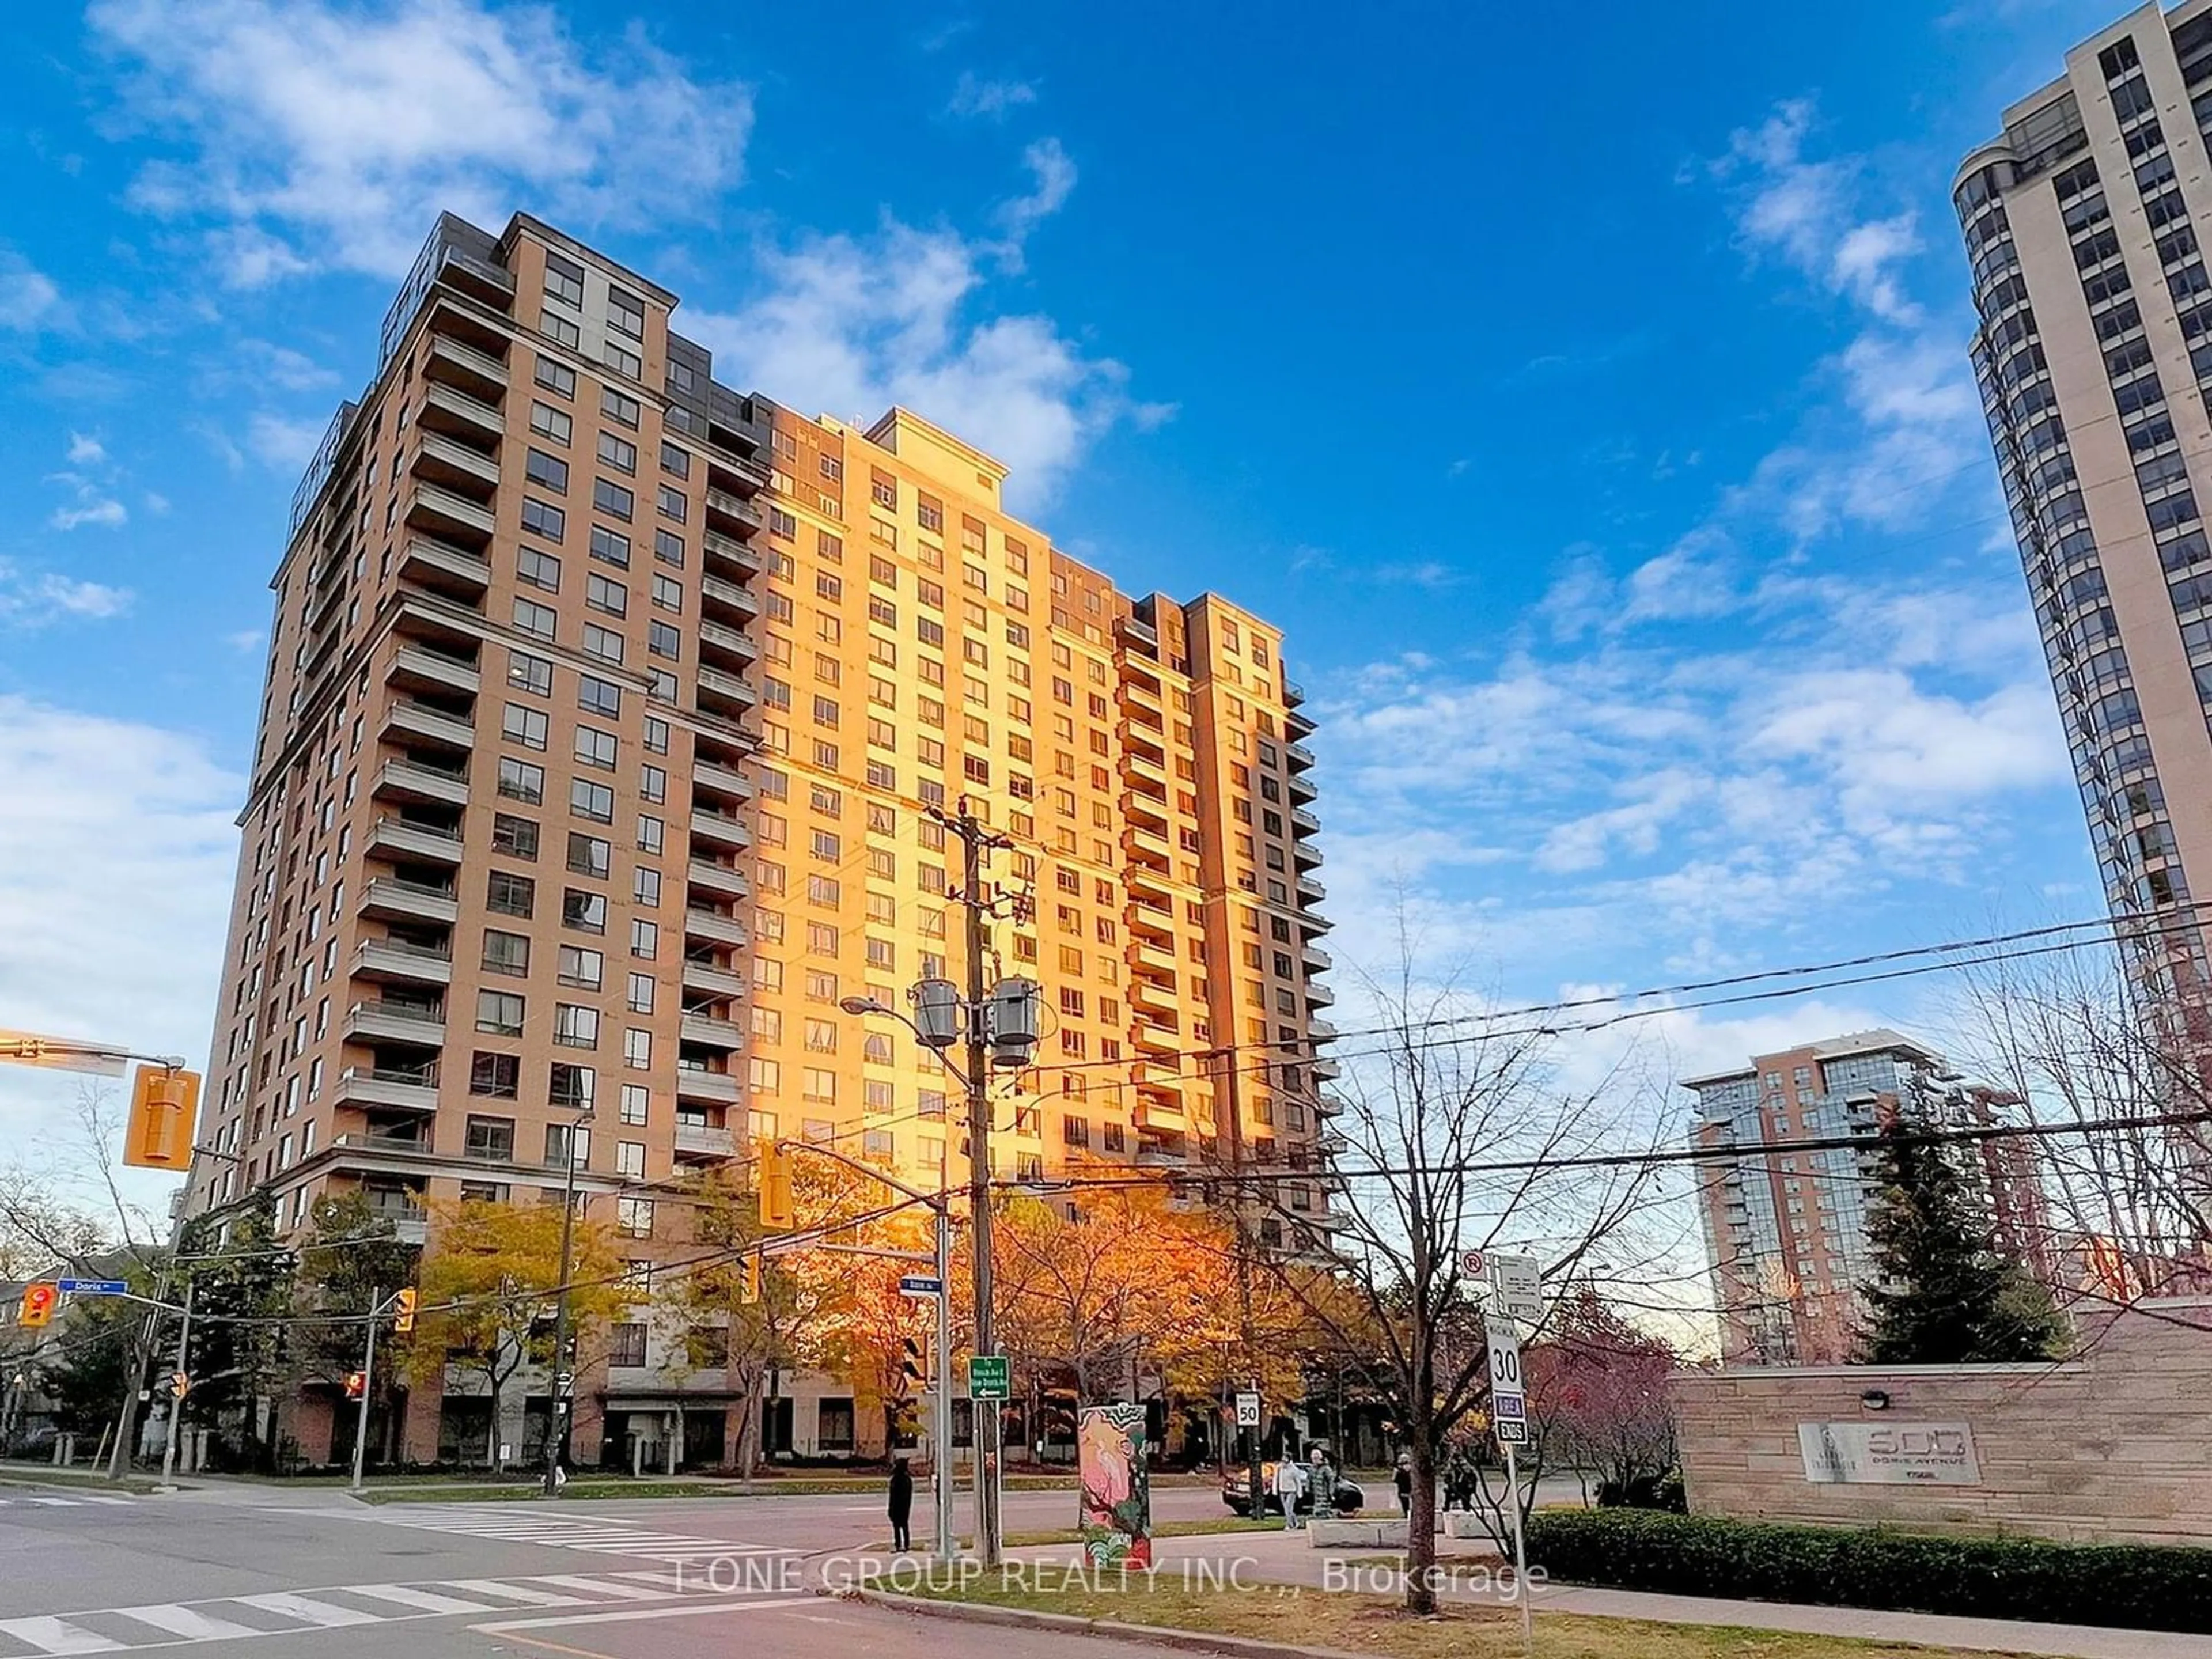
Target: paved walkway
1290,1559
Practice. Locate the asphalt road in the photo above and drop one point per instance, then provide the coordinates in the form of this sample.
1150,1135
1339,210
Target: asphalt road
282,1573
309,1573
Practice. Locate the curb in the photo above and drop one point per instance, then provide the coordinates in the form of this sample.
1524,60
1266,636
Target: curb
1158,1636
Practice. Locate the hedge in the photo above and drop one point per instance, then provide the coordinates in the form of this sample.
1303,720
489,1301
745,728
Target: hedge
2132,1586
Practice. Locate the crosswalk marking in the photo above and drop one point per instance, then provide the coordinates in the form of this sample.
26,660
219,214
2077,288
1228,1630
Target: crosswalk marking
626,1592
421,1600
597,1535
327,1614
530,1598
58,1636
62,1503
193,1625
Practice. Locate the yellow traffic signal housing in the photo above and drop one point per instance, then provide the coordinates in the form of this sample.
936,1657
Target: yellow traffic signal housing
751,1289
774,1176
402,1312
165,1107
38,1304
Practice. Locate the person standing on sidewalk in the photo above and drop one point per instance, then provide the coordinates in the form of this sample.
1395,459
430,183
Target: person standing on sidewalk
1321,1476
1290,1487
1404,1477
902,1505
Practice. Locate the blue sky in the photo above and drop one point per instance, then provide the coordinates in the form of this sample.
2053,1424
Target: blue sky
1589,405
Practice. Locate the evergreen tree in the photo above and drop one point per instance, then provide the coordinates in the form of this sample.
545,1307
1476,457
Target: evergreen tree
1947,1294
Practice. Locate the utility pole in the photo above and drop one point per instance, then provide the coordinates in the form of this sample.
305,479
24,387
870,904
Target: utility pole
560,1401
176,1398
367,1386
987,1424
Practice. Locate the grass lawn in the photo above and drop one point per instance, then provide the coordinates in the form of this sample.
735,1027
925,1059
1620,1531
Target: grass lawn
600,1489
92,1479
1375,1624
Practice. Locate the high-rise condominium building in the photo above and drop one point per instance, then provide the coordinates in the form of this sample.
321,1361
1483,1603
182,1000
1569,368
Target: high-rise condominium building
2094,352
608,711
1786,1231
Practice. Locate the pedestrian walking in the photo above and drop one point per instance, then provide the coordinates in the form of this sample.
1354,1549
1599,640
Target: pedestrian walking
901,1503
1290,1488
1405,1480
1321,1475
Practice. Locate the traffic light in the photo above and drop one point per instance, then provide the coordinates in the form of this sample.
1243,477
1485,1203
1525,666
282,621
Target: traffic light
165,1107
774,1176
402,1312
38,1304
910,1369
356,1384
751,1289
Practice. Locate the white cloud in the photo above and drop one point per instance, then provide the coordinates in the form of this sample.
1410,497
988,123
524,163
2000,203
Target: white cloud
1052,175
29,298
992,99
856,323
318,132
31,599
92,508
281,443
117,847
282,366
85,450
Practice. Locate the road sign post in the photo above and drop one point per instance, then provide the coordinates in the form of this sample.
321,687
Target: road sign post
1509,1418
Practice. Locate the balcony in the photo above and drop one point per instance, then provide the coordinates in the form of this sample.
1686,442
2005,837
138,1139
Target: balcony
442,513
1293,693
456,413
439,459
718,592
710,1032
1298,725
1320,1030
1155,958
396,838
1325,1069
1141,770
1302,788
732,648
407,718
713,925
1142,839
1139,694
1144,881
725,880
1155,1075
1161,1113
412,780
703,1141
1318,960
1311,890
705,976
396,1022
721,830
1318,995
1300,757
476,373
418,667
444,568
732,510
387,1092
1154,1038
711,778
720,1088
1145,809
1305,822
402,963
724,694
389,899
1156,994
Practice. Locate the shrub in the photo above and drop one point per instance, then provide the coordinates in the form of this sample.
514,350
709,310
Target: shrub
2138,1586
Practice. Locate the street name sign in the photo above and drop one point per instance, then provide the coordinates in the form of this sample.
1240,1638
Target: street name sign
93,1286
989,1377
920,1285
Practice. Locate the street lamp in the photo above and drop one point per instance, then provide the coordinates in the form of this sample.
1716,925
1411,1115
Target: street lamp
559,1405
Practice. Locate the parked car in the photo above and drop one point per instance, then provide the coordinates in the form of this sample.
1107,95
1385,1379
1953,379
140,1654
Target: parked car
1237,1492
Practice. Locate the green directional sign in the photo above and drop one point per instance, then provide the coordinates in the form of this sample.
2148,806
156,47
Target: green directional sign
988,1377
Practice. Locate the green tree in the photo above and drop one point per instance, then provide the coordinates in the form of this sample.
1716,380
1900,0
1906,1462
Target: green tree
241,1280
1945,1293
351,1257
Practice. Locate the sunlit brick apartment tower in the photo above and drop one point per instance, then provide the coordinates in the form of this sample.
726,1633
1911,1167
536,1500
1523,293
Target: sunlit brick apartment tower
606,706
2094,349
1786,1232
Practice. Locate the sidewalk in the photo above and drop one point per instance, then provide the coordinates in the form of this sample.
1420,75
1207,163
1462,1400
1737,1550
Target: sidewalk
1289,1559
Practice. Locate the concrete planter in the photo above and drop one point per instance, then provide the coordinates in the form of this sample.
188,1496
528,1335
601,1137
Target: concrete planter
1357,1535
1463,1523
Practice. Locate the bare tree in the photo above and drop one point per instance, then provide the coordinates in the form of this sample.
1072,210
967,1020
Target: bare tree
1459,1132
2072,1036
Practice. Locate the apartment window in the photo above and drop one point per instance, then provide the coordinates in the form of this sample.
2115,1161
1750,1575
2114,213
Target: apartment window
489,1138
499,1014
551,422
565,278
520,781
668,547
656,736
544,519
517,837
626,1343
619,453
604,643
584,912
547,471
505,953
610,546
526,726
575,1027
584,968
534,619
597,697
651,833
537,569
595,748
594,801
645,887
663,639
556,378
644,939
634,1105
565,1143
619,407
613,500
510,894
496,1077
